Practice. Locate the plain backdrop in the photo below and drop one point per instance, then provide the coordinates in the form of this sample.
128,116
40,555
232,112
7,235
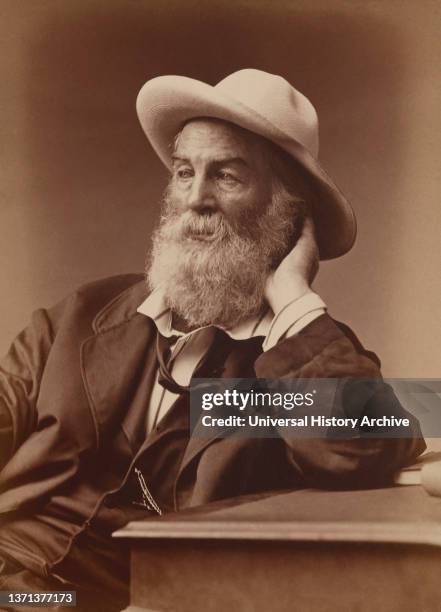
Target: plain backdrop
79,185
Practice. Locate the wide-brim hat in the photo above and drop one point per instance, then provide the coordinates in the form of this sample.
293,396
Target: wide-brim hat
267,105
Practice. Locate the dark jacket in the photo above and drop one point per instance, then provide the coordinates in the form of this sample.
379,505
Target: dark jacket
70,379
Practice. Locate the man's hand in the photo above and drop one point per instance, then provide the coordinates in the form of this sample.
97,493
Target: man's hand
296,271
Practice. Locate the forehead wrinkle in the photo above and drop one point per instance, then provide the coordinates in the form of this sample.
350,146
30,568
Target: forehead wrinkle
222,140
215,161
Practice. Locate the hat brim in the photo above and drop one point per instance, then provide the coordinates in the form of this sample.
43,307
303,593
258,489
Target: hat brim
166,103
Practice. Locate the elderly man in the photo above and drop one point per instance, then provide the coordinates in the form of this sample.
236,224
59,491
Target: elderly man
94,405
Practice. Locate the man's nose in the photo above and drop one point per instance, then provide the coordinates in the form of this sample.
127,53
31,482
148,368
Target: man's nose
201,196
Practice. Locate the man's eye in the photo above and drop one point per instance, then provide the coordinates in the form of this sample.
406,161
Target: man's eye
184,173
228,178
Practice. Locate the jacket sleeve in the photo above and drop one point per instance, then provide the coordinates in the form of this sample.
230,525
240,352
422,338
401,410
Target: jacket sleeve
325,349
20,375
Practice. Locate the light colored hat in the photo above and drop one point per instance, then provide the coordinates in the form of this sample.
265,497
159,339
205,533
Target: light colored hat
267,105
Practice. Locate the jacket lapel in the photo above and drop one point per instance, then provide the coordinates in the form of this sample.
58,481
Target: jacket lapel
118,366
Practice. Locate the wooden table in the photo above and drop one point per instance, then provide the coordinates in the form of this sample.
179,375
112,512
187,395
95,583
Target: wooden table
307,550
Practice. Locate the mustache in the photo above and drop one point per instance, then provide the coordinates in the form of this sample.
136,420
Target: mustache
194,225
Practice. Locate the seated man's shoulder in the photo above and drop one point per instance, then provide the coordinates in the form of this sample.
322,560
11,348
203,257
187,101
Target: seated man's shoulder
103,290
92,298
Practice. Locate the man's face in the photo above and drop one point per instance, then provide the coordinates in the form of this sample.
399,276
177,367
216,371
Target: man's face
219,168
227,223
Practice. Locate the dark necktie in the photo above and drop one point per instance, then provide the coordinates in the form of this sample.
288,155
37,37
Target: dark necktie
163,353
210,366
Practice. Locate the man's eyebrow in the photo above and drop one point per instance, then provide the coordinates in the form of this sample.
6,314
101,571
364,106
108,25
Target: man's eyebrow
220,161
232,160
176,158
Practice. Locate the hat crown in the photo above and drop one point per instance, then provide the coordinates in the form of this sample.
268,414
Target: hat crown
276,101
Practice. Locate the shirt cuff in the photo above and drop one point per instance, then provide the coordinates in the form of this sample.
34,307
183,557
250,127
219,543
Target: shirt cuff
294,317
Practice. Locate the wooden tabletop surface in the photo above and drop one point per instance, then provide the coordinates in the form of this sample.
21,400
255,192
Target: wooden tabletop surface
404,514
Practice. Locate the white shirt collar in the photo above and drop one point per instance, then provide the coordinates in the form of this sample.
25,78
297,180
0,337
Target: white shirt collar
154,307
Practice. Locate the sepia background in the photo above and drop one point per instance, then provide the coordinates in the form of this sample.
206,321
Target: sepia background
79,185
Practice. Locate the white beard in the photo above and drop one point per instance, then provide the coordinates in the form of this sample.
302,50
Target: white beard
212,274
